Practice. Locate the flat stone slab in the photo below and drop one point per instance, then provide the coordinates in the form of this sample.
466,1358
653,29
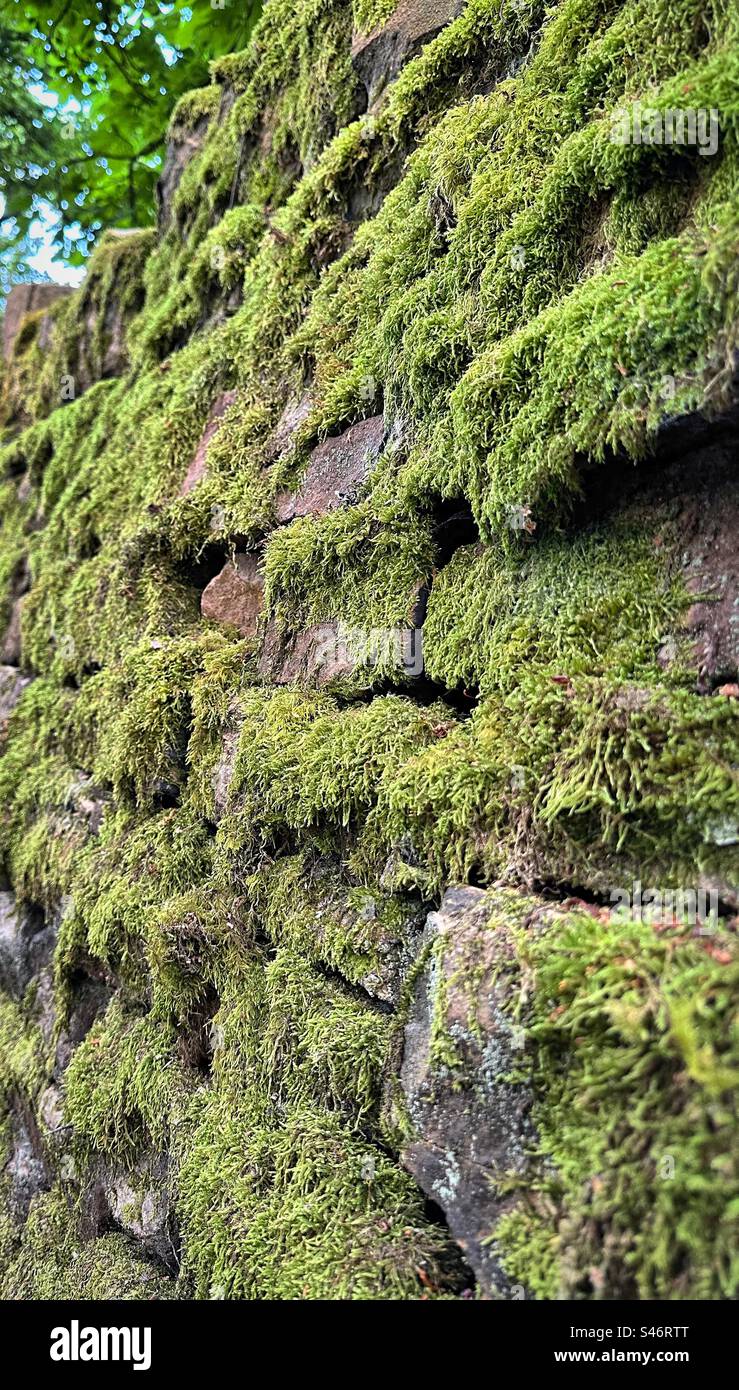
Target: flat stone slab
236,595
337,470
315,656
470,1123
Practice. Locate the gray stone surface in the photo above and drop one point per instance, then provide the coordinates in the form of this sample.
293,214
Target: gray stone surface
12,685
25,1167
139,1202
469,1123
26,942
379,55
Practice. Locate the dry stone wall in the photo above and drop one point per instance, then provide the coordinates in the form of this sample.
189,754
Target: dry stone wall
369,761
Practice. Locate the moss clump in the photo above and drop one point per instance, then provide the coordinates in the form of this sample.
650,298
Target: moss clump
582,782
61,351
328,1216
305,764
123,1083
633,1061
309,905
50,1260
597,601
22,1054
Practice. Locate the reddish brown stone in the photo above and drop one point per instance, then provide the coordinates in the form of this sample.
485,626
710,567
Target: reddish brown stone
199,467
336,471
236,595
317,656
707,525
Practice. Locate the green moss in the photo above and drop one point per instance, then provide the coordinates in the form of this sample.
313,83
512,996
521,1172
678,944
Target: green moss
193,107
62,350
583,783
125,1084
370,14
42,825
308,905
22,1053
304,1211
51,1261
633,1060
514,306
303,762
598,601
369,569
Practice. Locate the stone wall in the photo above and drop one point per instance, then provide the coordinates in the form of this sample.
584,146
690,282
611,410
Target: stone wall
368,714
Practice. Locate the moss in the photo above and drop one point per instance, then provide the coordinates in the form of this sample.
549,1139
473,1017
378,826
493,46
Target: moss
193,107
633,1060
369,570
370,14
52,1261
599,601
124,1085
303,762
308,905
585,783
62,350
41,827
528,1245
327,1215
130,875
558,352
22,1053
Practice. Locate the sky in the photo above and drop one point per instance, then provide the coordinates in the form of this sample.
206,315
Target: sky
45,260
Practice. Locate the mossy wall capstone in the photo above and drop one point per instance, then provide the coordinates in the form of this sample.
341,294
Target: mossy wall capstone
22,300
369,758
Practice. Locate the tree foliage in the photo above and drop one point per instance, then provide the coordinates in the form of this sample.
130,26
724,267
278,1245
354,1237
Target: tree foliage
86,88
